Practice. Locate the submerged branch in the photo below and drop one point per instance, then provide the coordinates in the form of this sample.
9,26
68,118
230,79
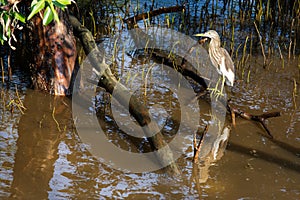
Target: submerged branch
258,118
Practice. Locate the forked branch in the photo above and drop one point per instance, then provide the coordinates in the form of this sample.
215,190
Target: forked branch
258,118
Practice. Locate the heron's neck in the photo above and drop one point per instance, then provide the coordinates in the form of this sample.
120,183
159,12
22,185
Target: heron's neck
215,43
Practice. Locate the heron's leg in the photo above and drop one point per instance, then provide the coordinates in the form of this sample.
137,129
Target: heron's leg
223,82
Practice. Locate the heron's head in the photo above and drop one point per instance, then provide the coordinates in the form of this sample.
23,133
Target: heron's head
212,34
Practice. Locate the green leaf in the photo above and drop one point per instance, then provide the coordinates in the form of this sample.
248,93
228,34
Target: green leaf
19,17
63,2
48,16
3,29
37,8
8,30
57,4
7,22
2,35
33,3
55,15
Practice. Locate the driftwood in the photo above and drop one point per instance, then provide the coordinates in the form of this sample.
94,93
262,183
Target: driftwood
136,108
257,118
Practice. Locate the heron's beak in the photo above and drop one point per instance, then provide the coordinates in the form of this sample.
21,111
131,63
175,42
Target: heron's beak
200,35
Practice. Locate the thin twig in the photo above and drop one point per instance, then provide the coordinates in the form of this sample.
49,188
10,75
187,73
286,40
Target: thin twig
197,147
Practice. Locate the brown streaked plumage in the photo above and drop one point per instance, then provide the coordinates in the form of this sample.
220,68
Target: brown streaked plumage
219,57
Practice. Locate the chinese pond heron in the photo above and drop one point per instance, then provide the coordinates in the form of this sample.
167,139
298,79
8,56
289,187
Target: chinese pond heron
219,57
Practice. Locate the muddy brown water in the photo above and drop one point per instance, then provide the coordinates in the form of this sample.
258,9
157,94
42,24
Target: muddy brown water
42,156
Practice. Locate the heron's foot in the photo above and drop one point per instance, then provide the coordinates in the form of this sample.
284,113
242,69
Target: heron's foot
215,92
219,94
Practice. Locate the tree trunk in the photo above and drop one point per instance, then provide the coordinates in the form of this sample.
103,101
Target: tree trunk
52,54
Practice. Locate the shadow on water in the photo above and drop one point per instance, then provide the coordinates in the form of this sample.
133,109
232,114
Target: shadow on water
287,147
269,156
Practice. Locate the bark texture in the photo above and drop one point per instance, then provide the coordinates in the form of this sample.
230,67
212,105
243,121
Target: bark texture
53,54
